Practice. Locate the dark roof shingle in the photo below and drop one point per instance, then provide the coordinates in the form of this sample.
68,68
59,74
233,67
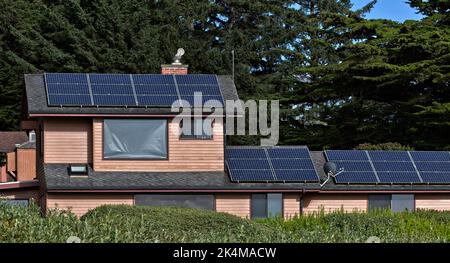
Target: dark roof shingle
9,139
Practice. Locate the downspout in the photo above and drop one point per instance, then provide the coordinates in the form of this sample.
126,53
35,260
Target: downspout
301,201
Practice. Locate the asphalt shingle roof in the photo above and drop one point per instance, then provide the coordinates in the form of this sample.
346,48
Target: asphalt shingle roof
9,139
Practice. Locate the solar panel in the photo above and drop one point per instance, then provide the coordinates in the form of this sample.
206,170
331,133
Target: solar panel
245,153
399,177
129,90
112,89
202,100
69,99
389,156
196,79
164,100
354,166
67,89
110,100
349,155
156,89
66,78
296,175
299,168
394,166
350,177
430,156
152,79
435,177
203,89
116,79
288,153
433,166
303,164
238,164
251,175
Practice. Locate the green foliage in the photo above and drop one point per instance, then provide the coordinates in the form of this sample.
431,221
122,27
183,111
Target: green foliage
341,79
165,224
389,146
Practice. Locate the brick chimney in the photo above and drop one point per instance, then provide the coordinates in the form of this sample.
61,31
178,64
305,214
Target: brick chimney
176,67
169,69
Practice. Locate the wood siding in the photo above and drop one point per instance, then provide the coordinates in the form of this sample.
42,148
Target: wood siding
184,155
26,164
80,204
68,141
291,205
440,202
235,204
313,203
11,161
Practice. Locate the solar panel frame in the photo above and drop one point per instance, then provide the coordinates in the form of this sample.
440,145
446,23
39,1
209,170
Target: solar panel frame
399,177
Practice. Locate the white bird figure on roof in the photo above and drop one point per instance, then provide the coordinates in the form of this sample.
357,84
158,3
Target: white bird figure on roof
178,55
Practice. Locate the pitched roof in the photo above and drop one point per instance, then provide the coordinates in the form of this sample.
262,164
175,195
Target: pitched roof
36,98
9,139
57,178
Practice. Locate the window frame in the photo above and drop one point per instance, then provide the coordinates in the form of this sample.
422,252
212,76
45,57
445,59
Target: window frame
266,195
138,159
197,137
369,208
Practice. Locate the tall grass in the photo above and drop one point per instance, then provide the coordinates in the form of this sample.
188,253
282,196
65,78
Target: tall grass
164,224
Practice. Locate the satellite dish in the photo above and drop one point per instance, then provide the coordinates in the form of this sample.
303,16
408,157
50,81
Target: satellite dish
330,167
178,55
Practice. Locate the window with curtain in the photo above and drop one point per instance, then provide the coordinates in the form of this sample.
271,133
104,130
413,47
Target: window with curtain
135,139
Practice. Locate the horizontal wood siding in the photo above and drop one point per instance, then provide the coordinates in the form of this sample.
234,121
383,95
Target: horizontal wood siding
68,141
80,204
314,203
184,155
11,161
440,202
26,164
235,204
291,205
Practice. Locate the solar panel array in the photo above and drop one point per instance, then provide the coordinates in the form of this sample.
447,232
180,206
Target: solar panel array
147,90
391,167
270,164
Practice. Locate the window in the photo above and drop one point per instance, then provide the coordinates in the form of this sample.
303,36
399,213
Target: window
135,139
394,202
402,202
205,201
78,169
198,129
16,202
379,202
266,205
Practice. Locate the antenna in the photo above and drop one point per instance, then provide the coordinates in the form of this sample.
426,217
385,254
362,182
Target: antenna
232,63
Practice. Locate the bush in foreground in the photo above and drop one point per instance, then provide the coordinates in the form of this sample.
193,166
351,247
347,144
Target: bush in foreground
166,224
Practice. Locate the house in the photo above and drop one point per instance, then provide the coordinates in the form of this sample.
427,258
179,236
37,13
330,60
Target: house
112,139
17,166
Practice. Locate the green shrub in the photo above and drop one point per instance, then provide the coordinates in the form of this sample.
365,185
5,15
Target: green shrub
166,224
388,146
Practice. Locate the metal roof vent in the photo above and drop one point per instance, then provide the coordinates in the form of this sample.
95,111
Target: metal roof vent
32,136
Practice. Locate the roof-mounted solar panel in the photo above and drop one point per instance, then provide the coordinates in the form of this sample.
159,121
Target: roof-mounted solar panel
117,90
250,175
353,177
399,177
435,177
116,79
349,155
430,156
389,156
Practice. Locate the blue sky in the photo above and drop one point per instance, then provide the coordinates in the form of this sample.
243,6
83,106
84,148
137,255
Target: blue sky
396,10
